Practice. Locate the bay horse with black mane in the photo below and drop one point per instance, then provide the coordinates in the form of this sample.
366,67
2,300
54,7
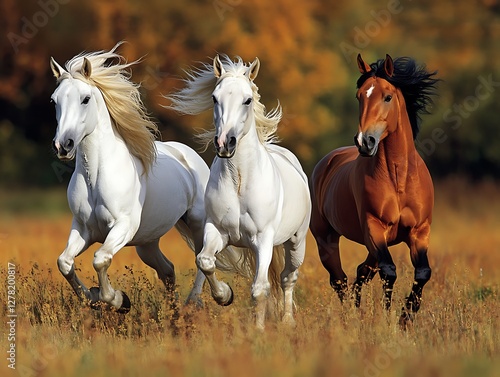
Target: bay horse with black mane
379,193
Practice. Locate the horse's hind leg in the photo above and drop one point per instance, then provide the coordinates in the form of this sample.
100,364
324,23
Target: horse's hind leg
294,256
151,255
419,241
327,240
190,226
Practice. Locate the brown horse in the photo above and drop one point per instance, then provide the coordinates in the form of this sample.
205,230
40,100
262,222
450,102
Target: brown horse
380,192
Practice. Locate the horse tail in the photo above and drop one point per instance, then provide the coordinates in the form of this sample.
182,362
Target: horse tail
185,233
242,261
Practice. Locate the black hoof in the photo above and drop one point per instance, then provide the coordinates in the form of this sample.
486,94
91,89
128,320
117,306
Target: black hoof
230,301
125,308
96,304
406,319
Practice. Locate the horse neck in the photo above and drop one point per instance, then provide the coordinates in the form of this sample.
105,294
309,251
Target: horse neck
249,156
396,153
100,145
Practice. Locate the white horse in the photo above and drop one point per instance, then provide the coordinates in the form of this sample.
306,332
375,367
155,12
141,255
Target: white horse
257,196
126,189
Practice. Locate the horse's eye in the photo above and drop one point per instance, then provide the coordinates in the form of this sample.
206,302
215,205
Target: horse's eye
214,99
86,100
388,98
247,102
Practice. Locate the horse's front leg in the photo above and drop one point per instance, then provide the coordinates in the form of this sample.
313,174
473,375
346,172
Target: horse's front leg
377,246
261,286
214,242
295,250
78,242
121,233
418,244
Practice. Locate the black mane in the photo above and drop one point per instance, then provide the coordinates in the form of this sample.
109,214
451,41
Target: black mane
416,84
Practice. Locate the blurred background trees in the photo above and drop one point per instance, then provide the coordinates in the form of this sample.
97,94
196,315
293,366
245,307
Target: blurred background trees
307,51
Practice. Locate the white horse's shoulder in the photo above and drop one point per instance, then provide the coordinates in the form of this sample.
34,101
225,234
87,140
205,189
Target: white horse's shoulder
278,150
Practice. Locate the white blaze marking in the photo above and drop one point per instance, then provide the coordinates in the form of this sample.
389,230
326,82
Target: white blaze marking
360,138
369,91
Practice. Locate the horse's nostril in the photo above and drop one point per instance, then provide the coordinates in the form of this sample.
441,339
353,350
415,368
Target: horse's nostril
371,141
70,143
232,142
54,146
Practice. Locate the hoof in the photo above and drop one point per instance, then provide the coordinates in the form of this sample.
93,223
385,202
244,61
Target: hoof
231,298
96,304
229,301
406,319
289,321
195,302
125,308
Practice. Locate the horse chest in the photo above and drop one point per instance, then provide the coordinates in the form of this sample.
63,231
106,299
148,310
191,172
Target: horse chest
238,212
95,211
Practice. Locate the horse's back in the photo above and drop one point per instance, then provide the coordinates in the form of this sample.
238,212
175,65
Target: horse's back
175,184
186,156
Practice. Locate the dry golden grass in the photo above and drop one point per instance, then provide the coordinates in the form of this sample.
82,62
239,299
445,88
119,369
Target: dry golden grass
456,333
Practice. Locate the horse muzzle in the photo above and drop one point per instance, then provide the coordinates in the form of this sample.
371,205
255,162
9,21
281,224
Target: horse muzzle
367,144
226,148
65,151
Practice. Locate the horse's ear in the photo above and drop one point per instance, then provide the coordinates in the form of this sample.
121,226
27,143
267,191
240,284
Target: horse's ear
86,68
57,70
363,67
218,67
253,70
388,65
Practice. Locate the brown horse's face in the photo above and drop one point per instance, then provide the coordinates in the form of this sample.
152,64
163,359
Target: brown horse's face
377,114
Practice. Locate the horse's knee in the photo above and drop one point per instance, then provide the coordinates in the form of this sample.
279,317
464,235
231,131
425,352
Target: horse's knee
206,263
65,265
101,260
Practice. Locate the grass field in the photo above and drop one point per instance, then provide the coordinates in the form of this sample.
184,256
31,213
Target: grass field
456,333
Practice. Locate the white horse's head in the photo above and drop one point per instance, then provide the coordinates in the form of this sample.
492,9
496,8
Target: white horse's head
233,107
76,109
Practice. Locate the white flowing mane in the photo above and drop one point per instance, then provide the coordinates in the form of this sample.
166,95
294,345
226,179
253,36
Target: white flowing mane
122,98
196,97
